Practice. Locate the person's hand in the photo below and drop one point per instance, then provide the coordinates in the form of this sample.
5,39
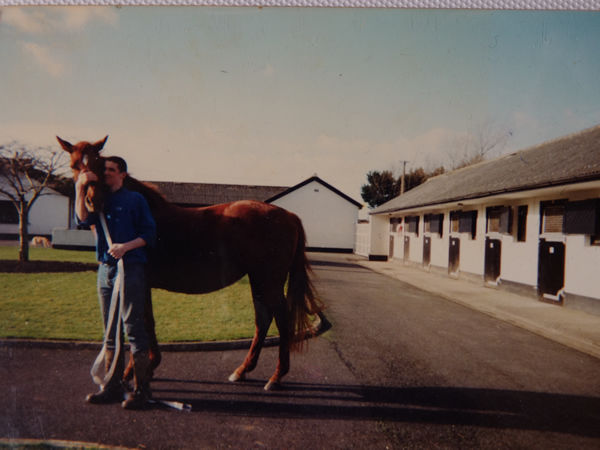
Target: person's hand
117,250
86,178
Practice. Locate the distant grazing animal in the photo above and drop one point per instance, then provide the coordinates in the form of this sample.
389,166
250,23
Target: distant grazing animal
200,250
41,241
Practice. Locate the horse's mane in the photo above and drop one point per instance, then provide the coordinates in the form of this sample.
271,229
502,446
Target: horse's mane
150,192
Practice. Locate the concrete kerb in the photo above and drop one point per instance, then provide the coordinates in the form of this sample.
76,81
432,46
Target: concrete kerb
321,325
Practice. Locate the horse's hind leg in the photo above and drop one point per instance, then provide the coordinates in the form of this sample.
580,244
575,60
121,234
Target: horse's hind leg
263,318
283,365
150,325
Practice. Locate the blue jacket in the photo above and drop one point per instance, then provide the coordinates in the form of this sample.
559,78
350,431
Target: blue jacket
128,217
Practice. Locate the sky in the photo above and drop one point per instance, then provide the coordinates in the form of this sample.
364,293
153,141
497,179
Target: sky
273,96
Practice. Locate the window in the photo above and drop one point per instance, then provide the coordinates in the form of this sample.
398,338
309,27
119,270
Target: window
493,220
8,212
467,223
412,224
522,223
499,219
434,223
553,217
506,219
454,221
395,224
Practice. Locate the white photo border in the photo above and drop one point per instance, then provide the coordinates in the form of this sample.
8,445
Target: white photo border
412,4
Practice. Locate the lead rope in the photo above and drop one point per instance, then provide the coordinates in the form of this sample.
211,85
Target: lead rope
115,304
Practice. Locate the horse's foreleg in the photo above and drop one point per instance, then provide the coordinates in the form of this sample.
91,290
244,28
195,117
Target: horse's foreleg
283,365
263,318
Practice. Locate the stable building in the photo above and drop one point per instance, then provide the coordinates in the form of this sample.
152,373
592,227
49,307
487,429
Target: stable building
528,221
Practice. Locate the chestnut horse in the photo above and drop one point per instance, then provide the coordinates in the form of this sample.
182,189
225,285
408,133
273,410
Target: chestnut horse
200,250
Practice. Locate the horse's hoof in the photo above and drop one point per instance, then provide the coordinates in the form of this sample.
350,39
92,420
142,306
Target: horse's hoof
234,377
272,385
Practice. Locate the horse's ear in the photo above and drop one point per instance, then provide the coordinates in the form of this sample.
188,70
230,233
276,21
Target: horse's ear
100,144
65,145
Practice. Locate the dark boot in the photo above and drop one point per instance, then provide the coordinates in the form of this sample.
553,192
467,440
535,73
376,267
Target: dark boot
113,391
140,397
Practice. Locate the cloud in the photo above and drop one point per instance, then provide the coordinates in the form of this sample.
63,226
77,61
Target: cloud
57,19
28,21
43,58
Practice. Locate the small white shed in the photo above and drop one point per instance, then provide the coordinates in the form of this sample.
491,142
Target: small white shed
329,216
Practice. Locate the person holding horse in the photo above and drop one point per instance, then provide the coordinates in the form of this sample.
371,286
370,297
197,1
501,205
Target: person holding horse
131,230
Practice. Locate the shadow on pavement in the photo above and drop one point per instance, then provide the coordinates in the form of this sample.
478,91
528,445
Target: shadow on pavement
321,263
490,408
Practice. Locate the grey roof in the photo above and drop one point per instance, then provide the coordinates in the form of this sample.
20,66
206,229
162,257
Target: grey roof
570,159
205,194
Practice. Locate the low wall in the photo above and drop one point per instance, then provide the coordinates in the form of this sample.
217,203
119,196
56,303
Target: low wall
362,243
73,239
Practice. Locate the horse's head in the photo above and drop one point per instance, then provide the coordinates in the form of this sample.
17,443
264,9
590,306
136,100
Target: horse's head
85,157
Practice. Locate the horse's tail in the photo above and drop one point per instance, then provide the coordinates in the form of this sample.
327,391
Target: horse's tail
301,294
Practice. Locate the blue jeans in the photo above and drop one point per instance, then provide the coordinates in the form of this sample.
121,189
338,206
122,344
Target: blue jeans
132,306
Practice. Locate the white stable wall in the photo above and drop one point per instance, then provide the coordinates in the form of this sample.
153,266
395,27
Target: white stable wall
519,262
329,220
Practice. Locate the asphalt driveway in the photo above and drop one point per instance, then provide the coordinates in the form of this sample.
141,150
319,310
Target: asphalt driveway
399,368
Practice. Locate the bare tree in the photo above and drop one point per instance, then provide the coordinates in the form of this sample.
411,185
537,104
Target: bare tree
483,140
25,175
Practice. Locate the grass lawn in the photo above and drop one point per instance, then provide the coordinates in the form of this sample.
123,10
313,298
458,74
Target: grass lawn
48,254
65,305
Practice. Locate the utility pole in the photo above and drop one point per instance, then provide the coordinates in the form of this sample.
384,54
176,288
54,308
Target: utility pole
403,175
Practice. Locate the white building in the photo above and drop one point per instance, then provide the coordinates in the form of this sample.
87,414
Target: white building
528,221
49,211
329,216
